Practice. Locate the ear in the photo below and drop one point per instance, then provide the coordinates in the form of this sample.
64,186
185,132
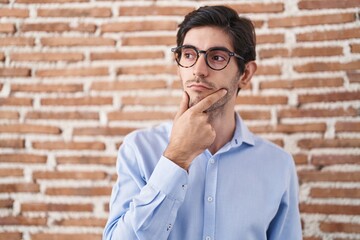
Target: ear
250,69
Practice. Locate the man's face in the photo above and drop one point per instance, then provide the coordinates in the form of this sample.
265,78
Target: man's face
200,80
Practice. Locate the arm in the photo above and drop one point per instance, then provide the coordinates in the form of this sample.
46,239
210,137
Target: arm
286,223
140,210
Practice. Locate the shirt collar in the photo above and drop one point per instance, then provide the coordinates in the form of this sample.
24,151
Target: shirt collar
242,133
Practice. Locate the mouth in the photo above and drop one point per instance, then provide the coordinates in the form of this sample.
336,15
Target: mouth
199,87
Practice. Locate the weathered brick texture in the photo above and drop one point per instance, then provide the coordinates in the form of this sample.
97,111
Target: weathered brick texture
76,76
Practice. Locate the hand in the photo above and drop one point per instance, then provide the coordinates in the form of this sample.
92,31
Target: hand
191,133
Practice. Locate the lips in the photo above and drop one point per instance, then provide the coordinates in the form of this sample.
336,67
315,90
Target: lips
199,87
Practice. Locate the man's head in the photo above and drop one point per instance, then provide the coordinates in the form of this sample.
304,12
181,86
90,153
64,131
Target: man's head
216,50
239,29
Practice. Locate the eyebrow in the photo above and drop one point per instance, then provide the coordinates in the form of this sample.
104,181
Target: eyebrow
215,47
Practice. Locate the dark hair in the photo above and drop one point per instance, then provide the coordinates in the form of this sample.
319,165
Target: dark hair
240,29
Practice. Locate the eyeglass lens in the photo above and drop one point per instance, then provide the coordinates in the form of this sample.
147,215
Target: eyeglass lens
215,58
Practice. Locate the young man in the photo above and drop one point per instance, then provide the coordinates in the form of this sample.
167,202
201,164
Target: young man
206,176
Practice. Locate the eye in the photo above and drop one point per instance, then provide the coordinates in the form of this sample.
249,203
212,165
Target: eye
188,54
218,56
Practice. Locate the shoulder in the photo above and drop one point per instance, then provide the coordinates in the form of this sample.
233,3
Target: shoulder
158,133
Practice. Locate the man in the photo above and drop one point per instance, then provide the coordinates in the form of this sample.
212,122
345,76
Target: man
206,176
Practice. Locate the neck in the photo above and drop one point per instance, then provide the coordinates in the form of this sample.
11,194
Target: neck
224,125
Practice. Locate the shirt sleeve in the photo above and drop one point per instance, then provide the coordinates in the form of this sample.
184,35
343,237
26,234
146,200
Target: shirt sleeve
286,224
141,209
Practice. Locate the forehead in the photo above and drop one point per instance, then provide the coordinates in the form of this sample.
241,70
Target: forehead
206,37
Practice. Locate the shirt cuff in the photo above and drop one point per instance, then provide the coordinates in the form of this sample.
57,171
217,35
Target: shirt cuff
170,179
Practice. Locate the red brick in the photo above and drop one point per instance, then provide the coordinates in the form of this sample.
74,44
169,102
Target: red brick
55,207
154,11
7,28
17,41
329,97
21,220
258,7
85,101
317,192
14,12
255,115
79,175
330,209
274,52
268,70
22,158
29,129
141,115
302,83
19,187
347,127
65,236
79,41
148,40
57,145
59,88
126,55
12,143
2,57
104,131
327,176
63,115
50,1
83,191
334,159
84,222
300,159
154,69
329,143
11,236
290,128
148,101
9,115
47,56
316,51
75,12
135,26
270,38
45,27
128,85
328,35
354,77
6,203
355,48
86,160
339,227
15,72
16,101
320,4
11,172
317,112
72,72
294,21
261,100
327,66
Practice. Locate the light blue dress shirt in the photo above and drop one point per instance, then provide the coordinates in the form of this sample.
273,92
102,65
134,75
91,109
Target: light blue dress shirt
248,190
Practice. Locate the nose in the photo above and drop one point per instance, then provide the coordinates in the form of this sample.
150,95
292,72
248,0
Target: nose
200,68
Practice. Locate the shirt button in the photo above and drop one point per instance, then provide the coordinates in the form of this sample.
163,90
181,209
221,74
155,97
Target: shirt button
208,238
212,161
209,199
184,186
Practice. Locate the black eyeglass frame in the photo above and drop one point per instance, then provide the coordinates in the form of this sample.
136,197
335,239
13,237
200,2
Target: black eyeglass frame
198,52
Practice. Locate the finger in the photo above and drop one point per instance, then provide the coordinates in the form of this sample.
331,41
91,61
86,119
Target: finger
208,101
184,105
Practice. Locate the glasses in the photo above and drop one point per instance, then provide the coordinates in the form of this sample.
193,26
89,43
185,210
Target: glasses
216,58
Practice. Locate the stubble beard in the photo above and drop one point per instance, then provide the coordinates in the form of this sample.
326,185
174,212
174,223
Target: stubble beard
218,108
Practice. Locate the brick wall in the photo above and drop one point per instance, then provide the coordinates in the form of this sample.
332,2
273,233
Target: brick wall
78,75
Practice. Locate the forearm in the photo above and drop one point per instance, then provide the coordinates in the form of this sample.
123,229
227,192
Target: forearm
151,213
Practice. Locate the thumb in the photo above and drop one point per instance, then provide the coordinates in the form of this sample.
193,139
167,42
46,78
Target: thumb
184,105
